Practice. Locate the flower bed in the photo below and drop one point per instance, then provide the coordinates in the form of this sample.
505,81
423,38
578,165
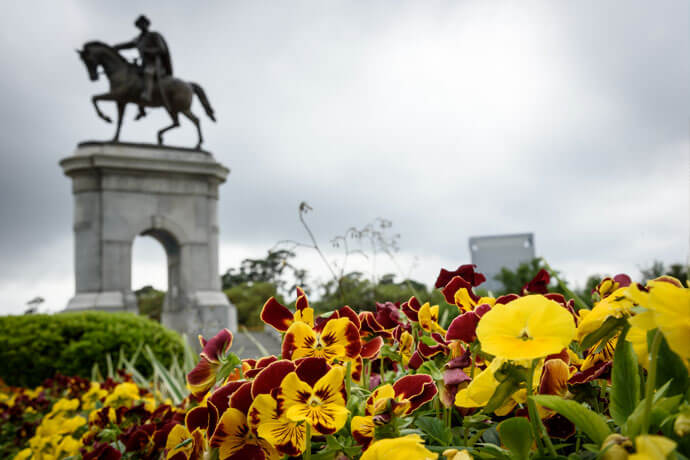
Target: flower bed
526,375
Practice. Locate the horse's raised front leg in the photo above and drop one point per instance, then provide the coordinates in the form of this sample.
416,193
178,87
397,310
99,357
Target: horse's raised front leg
188,113
120,115
175,124
102,97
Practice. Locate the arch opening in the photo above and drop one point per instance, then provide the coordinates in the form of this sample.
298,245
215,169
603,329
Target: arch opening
155,272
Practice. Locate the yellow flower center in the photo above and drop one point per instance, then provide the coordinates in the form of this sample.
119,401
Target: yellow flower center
524,335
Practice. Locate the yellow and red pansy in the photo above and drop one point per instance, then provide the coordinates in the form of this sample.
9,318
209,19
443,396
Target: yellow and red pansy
338,340
321,405
402,398
281,318
235,440
269,419
203,377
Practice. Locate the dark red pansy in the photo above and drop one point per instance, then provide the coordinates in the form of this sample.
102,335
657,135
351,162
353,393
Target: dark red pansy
416,360
622,279
161,435
216,348
455,376
259,366
271,377
310,370
102,451
427,351
136,438
559,427
277,315
411,308
241,399
387,314
220,399
463,327
504,299
369,325
538,285
197,417
465,271
461,361
456,284
418,389
599,370
371,348
562,355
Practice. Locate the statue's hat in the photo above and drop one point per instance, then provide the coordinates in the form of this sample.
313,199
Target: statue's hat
142,21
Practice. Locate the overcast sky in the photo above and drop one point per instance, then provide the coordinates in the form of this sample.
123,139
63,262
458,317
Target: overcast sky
451,119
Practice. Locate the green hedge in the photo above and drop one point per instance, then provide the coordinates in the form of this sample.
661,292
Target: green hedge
35,347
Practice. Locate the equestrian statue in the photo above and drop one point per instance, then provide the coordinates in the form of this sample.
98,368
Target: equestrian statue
148,84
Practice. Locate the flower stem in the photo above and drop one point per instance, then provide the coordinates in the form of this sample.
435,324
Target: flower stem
651,381
348,379
307,450
538,426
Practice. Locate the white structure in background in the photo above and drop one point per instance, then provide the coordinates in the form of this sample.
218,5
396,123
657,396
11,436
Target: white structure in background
491,253
171,194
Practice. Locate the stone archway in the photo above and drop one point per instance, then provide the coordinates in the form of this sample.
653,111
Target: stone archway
124,190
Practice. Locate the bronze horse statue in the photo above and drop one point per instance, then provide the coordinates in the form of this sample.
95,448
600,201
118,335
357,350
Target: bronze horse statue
127,82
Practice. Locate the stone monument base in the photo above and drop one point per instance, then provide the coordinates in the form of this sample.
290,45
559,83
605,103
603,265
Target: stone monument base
210,313
105,301
170,194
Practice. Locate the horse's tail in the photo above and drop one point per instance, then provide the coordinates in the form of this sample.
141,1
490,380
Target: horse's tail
199,91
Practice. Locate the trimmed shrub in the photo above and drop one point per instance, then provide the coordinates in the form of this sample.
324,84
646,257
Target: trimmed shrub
35,347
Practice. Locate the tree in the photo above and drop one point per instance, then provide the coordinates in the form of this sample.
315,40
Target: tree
513,281
360,293
150,302
658,269
275,269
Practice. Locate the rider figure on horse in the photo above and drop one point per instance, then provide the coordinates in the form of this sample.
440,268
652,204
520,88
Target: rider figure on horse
155,58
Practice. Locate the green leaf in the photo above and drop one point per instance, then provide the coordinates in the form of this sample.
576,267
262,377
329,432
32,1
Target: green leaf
429,367
516,434
670,367
604,333
625,388
428,341
587,421
633,424
435,429
175,388
510,378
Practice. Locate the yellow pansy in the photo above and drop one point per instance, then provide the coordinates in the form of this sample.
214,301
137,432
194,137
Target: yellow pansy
669,305
615,305
455,454
410,447
652,447
428,318
527,328
122,395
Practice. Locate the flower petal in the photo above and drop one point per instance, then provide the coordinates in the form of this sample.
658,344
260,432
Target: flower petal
299,340
277,315
371,348
270,377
